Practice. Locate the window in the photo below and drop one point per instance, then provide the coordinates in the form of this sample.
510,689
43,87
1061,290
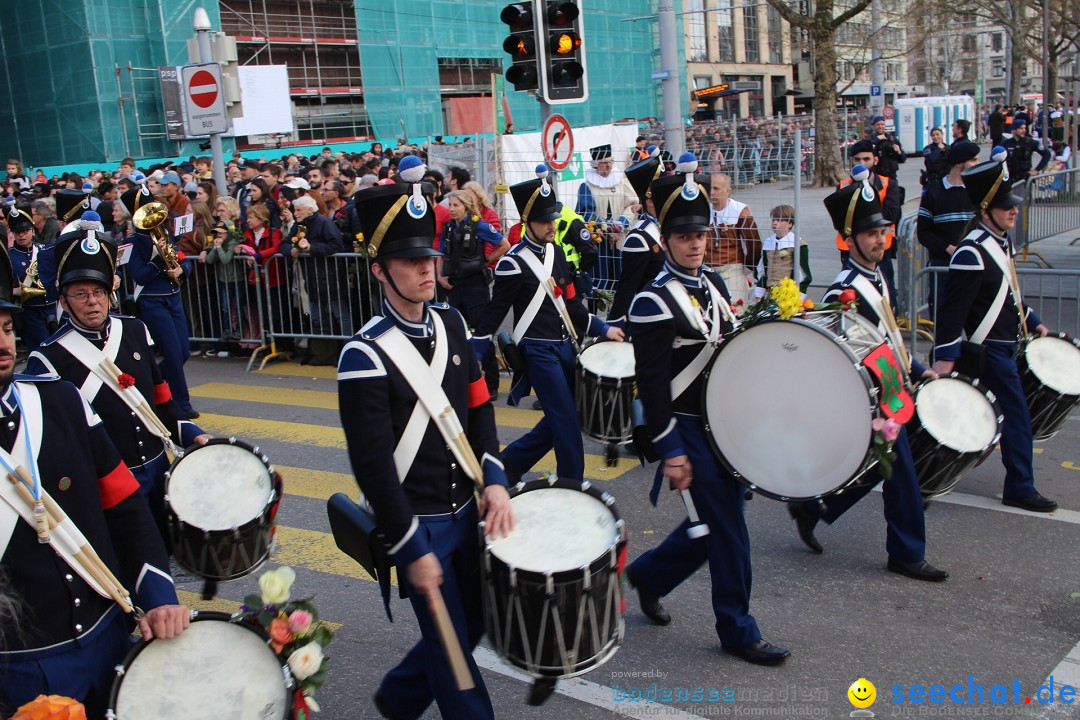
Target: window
702,81
967,43
997,68
750,31
727,31
776,36
996,43
698,50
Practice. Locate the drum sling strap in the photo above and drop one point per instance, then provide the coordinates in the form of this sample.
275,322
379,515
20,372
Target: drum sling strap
880,303
64,539
96,361
1009,283
543,275
710,332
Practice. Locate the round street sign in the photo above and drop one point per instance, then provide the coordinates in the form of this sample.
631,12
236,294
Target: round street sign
887,112
557,142
203,89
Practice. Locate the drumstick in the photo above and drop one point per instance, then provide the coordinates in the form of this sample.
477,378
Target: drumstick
113,371
449,638
449,420
697,528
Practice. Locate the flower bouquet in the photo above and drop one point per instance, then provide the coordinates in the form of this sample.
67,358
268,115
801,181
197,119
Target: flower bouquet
295,631
785,301
885,434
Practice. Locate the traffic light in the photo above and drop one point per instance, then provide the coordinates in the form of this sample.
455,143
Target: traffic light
562,73
524,70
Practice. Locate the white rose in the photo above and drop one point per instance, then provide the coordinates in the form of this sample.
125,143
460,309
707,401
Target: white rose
312,705
275,585
306,661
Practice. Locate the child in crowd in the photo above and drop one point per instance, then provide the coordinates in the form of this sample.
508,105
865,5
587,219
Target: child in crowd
231,275
777,253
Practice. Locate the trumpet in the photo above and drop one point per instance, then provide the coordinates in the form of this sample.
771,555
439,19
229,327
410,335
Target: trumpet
151,217
32,287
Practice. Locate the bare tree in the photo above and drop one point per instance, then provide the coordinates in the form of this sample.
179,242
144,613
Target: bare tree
822,25
1064,36
1018,22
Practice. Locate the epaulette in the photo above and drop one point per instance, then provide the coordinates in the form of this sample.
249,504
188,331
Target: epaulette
375,327
358,361
663,279
506,266
648,307
967,257
634,242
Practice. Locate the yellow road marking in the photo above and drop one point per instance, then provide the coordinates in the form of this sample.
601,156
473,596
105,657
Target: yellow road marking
323,372
195,602
1070,465
318,484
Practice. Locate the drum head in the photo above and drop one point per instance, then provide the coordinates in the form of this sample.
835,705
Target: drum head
1055,362
788,410
215,669
557,529
219,486
609,359
957,414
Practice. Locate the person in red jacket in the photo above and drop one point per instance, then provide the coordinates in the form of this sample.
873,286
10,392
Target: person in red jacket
261,245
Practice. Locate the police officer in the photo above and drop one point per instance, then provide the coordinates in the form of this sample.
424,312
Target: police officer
935,166
675,324
414,483
573,236
87,338
1020,148
856,214
545,319
889,195
69,637
887,148
980,302
38,312
641,251
157,295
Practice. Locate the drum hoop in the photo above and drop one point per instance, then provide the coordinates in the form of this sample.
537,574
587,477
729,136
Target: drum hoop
981,389
569,574
1022,349
196,616
857,365
589,373
275,479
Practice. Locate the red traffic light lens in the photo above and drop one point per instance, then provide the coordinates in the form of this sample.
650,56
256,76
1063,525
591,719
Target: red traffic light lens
565,43
517,15
562,14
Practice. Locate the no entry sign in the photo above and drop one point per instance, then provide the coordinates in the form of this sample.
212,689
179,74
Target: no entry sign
204,104
203,89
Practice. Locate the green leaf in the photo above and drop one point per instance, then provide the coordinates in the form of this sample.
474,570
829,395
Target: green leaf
253,601
323,635
265,617
885,468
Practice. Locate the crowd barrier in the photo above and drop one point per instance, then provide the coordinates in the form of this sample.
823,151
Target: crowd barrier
1051,206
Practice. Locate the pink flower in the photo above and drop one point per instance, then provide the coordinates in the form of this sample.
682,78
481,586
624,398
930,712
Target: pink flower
891,430
300,622
878,424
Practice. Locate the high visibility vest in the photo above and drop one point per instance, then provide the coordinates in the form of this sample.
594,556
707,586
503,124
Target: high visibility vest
890,237
562,226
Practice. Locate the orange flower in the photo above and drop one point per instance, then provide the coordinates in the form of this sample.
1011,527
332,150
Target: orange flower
52,707
279,631
808,304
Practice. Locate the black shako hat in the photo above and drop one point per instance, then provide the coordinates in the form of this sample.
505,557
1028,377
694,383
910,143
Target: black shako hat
70,205
682,199
988,184
85,253
18,219
398,220
535,199
643,172
855,208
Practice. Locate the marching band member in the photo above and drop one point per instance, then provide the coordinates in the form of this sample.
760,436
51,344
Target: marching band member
982,301
414,357
535,280
72,633
856,215
38,311
676,323
88,340
641,251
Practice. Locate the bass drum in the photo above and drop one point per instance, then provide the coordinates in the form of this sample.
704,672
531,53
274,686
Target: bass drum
788,405
1050,374
957,423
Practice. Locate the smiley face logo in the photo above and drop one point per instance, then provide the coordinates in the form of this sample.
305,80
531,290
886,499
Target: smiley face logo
862,693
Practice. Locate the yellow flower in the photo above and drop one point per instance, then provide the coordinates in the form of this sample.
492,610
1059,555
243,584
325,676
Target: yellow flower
788,298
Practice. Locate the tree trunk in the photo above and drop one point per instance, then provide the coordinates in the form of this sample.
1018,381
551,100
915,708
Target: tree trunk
828,166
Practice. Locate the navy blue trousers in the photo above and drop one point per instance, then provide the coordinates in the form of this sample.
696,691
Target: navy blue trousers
470,301
1002,377
719,502
550,366
424,675
905,534
164,317
85,672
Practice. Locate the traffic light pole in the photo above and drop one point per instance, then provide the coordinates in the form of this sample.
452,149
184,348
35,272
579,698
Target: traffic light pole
674,137
201,24
545,113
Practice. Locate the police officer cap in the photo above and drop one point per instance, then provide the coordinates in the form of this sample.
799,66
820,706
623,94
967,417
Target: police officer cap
877,119
85,253
855,208
682,199
7,281
398,220
1018,123
535,199
962,151
988,184
860,147
643,172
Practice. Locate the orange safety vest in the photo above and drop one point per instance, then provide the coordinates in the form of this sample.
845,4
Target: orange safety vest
890,237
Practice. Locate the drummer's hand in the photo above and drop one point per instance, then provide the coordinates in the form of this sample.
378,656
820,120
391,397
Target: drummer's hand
929,374
943,367
425,574
164,622
1042,329
497,514
615,333
679,472
204,438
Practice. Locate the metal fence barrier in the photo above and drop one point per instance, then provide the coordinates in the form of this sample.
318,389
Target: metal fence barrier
1051,207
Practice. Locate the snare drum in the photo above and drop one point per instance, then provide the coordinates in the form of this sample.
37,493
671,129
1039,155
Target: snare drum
788,404
605,391
552,598
221,500
957,423
215,669
1050,373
